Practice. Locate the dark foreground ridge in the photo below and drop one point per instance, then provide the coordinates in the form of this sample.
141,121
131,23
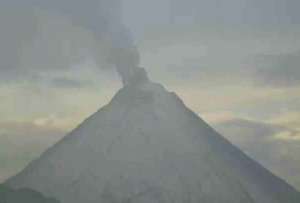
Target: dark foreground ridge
8,195
146,146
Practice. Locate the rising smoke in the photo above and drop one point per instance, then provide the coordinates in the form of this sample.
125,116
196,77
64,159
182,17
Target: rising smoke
102,18
105,22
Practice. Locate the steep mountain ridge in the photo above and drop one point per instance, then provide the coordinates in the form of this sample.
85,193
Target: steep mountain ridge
147,146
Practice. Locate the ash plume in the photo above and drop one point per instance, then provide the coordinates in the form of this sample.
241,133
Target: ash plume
103,19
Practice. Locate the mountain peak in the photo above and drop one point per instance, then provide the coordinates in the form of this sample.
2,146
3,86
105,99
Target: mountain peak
146,146
140,76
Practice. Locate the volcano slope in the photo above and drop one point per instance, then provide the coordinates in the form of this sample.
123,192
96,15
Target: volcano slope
146,146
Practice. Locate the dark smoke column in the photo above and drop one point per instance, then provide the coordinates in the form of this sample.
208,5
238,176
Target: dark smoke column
123,53
104,19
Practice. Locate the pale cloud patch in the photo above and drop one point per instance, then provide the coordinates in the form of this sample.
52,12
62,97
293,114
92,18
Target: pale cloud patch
274,146
29,129
288,136
218,117
237,98
291,119
22,142
56,121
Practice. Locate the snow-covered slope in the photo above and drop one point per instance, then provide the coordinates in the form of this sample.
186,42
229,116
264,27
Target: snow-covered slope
145,146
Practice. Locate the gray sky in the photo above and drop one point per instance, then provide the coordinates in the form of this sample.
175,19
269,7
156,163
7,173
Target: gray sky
53,48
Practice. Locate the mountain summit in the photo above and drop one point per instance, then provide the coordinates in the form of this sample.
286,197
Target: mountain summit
146,146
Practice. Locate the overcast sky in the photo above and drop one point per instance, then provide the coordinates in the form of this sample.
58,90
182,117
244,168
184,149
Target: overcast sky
227,59
246,53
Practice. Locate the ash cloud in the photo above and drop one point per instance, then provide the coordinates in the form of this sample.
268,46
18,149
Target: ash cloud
34,43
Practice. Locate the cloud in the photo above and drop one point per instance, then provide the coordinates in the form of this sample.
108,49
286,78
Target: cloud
17,27
61,82
53,36
35,41
22,142
28,129
289,135
247,13
278,70
244,129
218,117
253,128
274,146
289,119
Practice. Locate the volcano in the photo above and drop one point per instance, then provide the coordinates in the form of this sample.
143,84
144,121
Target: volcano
146,146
